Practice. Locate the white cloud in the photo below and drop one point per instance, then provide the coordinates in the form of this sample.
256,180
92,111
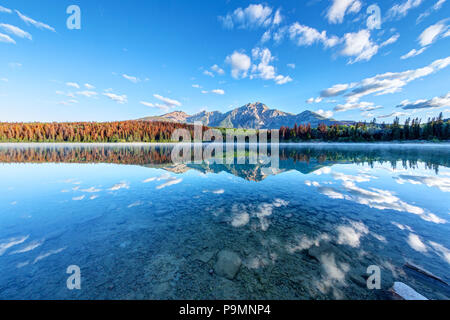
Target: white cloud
391,40
334,91
442,183
5,10
87,93
73,85
240,64
278,18
15,31
170,103
218,91
121,185
416,243
264,70
360,46
436,102
393,115
441,250
196,86
437,6
4,246
208,73
131,78
255,15
316,100
35,23
376,198
323,113
306,36
401,10
89,86
363,106
217,69
162,107
121,99
340,8
386,83
7,39
413,53
351,234
432,33
171,181
291,65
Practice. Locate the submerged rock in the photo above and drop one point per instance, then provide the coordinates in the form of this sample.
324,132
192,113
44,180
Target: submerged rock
205,256
227,264
406,292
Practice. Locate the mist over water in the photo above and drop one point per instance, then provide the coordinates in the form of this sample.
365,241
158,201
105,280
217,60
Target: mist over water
142,227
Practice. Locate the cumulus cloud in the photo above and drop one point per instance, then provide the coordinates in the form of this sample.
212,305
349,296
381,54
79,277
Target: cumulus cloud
340,8
254,16
16,31
436,102
386,83
400,10
351,234
121,99
334,91
326,114
433,33
240,64
87,93
170,182
264,69
363,106
169,103
73,85
314,100
416,243
6,39
118,186
218,91
375,198
35,23
89,86
306,36
413,53
442,183
5,10
217,69
131,78
360,46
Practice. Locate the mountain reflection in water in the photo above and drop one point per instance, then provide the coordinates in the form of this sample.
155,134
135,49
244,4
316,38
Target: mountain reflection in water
142,227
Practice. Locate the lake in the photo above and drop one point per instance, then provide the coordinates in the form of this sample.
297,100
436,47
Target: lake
141,227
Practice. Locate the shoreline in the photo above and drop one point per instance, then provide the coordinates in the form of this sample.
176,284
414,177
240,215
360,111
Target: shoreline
313,143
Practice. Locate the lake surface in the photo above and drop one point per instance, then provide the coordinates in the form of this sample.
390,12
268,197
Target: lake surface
140,227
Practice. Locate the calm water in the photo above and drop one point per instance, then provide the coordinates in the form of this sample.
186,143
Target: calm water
140,227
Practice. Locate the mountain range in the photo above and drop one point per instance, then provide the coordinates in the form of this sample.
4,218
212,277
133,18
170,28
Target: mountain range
251,116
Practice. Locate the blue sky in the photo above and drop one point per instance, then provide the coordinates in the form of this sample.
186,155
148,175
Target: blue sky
132,59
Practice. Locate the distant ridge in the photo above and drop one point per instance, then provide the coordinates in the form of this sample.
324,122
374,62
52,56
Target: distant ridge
251,116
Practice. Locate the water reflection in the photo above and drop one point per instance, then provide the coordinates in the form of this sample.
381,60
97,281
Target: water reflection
305,159
141,227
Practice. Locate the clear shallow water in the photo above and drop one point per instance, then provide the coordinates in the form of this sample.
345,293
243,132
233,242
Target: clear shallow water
140,227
